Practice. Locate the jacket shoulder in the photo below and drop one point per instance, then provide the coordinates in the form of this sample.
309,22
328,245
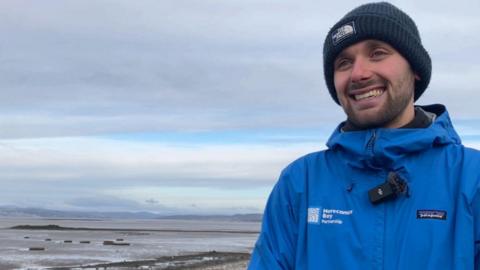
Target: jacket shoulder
471,173
293,177
471,159
472,153
301,164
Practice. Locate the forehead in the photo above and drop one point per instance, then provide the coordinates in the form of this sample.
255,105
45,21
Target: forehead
365,45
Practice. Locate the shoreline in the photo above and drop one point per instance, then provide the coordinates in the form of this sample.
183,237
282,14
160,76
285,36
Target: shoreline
211,260
61,246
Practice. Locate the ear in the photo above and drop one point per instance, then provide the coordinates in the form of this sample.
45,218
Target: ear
417,77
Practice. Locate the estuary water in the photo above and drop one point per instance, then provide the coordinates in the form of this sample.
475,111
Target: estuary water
143,239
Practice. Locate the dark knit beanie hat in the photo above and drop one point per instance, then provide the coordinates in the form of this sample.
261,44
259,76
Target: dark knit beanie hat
381,21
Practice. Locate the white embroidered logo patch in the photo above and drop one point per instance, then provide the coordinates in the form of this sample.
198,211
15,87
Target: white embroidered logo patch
432,214
313,215
343,32
318,215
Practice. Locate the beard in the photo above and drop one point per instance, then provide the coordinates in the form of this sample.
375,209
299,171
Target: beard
392,108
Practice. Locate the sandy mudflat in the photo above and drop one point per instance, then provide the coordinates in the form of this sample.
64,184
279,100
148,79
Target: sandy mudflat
154,245
4,265
242,265
200,261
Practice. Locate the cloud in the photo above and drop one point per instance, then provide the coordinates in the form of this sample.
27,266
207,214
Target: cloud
171,67
77,75
90,159
190,66
151,201
102,202
142,175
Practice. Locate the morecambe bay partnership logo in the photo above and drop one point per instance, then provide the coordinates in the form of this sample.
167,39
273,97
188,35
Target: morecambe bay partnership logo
319,215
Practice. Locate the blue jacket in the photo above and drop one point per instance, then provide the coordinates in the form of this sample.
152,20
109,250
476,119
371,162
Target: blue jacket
319,215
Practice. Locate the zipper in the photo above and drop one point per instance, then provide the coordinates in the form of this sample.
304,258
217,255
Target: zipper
371,142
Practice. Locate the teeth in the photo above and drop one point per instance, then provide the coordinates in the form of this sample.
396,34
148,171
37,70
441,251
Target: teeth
372,93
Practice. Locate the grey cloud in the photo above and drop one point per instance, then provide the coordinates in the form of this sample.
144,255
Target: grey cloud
103,202
81,68
190,62
151,201
188,65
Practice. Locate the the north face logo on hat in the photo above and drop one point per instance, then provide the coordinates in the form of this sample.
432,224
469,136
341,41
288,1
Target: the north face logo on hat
343,32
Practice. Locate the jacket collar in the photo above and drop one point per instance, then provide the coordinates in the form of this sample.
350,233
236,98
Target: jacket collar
384,147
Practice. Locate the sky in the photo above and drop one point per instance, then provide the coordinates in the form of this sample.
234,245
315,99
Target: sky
183,106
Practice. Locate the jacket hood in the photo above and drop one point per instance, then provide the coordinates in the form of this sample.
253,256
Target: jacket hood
383,147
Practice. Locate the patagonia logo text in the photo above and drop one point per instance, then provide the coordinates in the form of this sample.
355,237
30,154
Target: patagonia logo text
343,32
432,214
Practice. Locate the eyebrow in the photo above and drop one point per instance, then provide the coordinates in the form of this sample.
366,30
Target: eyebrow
341,55
371,44
376,43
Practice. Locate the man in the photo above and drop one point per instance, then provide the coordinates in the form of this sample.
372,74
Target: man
395,189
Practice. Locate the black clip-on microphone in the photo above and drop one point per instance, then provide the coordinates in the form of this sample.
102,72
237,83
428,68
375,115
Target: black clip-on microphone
393,186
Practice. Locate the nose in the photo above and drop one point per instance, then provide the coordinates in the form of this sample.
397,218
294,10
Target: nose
360,70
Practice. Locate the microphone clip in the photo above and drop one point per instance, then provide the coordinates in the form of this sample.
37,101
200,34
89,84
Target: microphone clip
390,189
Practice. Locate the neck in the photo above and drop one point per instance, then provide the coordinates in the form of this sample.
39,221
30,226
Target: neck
421,119
403,119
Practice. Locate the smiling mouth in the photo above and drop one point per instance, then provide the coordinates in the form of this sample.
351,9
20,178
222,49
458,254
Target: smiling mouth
372,93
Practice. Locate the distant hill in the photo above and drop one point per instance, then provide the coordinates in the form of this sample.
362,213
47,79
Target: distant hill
13,211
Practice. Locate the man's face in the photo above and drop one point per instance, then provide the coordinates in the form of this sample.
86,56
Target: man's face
375,85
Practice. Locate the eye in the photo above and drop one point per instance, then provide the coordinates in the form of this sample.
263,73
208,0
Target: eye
379,54
342,64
